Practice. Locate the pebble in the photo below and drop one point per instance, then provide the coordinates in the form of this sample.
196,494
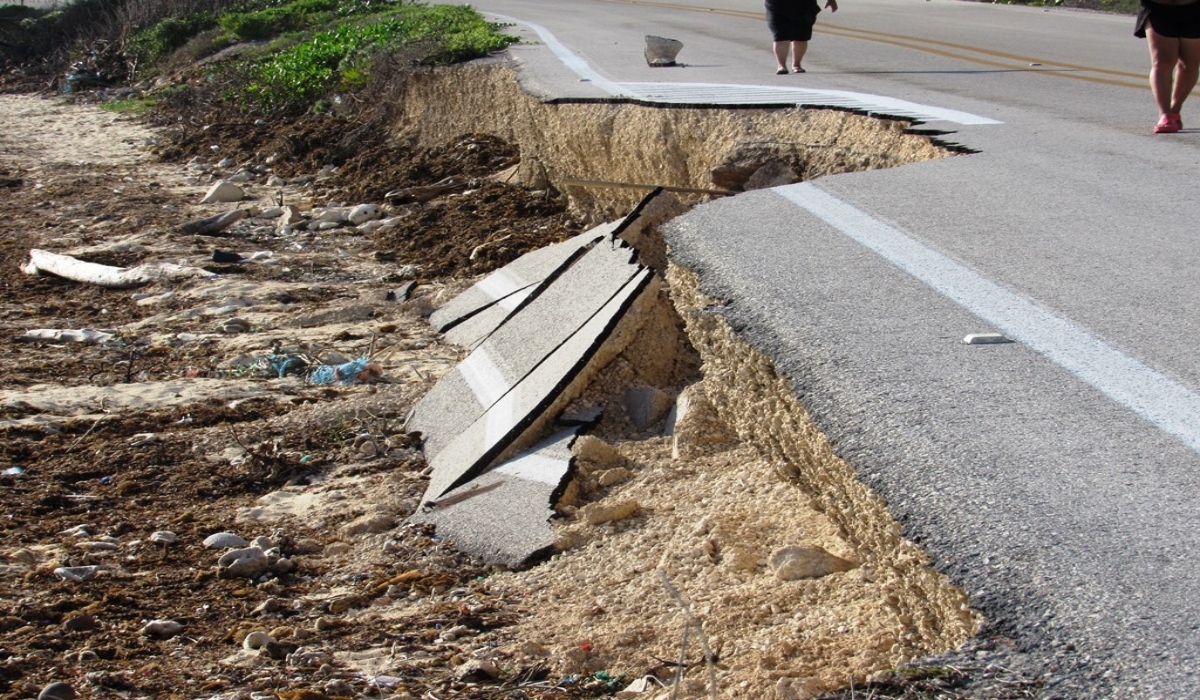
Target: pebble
276,181
78,531
363,213
248,562
257,640
80,623
283,566
76,574
224,540
235,325
271,213
97,546
163,537
162,629
269,605
611,477
478,670
264,543
599,513
57,691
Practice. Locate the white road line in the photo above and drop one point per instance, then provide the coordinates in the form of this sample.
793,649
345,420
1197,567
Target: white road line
1162,401
484,378
733,94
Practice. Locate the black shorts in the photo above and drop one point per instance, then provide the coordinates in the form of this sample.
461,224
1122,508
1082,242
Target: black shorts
1178,21
792,20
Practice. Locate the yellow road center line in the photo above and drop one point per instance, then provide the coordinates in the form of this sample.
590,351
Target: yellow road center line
1016,62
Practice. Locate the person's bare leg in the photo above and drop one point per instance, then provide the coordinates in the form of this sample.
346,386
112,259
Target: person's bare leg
1164,56
1186,72
781,54
799,48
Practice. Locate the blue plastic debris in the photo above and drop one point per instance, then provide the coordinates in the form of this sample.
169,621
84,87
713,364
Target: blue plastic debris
13,471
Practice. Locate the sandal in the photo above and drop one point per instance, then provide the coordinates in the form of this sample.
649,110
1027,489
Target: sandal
798,69
1169,124
781,71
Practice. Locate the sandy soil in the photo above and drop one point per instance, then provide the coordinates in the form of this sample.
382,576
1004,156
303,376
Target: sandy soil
174,425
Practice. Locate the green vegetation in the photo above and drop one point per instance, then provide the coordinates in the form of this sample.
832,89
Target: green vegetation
151,45
136,105
1127,7
341,59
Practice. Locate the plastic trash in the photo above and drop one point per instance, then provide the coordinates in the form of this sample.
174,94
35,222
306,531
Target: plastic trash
13,471
358,371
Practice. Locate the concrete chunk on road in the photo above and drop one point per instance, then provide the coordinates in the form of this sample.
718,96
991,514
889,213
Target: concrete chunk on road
503,516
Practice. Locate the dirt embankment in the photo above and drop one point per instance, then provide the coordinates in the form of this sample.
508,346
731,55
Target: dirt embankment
178,425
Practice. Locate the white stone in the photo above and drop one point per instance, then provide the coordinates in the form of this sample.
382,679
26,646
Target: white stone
270,213
363,213
163,537
262,542
76,574
276,181
224,540
248,562
256,640
986,339
600,513
223,191
162,629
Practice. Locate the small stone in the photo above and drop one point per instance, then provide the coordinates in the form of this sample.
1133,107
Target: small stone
611,477
225,163
97,546
235,325
986,339
223,191
224,540
249,562
740,559
24,556
332,216
57,691
269,605
276,181
162,629
796,562
600,513
256,640
283,566
262,542
596,453
163,537
477,670
80,623
78,531
647,405
76,574
363,213
290,217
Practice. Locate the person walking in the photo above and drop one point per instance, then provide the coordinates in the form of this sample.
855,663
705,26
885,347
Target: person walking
791,23
1172,29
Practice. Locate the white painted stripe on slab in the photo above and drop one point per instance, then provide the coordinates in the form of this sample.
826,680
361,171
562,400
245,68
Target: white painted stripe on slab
734,94
535,467
1162,401
498,285
501,417
484,378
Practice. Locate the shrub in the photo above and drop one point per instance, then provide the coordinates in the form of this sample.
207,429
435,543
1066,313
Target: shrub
150,45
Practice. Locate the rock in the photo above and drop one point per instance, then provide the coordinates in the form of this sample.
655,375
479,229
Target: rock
332,216
57,691
336,549
773,174
80,623
647,405
694,426
740,559
257,640
241,176
363,213
78,531
224,540
369,525
600,513
76,574
225,163
661,52
796,688
163,537
23,556
98,546
263,542
276,181
283,566
477,670
796,562
746,160
249,562
233,326
269,605
223,191
596,453
611,477
161,629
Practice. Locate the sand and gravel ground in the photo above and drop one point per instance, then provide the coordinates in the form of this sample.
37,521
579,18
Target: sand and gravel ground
169,426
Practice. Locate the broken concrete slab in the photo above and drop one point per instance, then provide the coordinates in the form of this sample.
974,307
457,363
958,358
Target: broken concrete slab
500,392
509,286
517,347
503,516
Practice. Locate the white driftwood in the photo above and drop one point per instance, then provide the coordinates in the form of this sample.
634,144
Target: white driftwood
67,267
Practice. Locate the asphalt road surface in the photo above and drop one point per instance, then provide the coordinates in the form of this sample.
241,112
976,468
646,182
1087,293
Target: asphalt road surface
1055,478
